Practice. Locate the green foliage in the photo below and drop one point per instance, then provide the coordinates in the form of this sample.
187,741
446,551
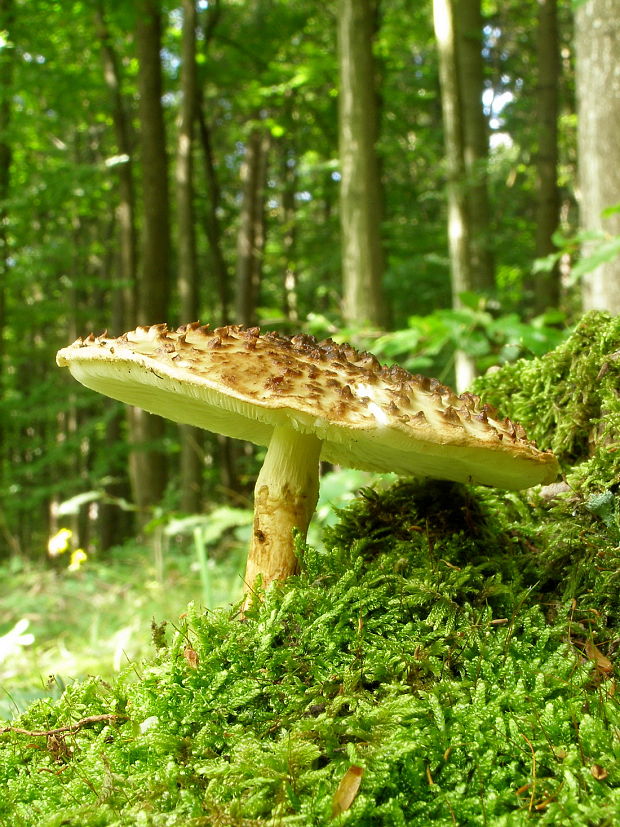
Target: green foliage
429,342
599,247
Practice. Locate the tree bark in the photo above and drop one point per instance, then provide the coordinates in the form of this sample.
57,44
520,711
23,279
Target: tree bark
251,233
6,90
213,229
470,73
187,268
124,309
191,438
597,27
113,523
154,282
361,194
147,461
545,288
461,100
219,267
6,154
289,184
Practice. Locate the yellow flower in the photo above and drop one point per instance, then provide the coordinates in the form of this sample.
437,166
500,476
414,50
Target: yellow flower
59,542
78,557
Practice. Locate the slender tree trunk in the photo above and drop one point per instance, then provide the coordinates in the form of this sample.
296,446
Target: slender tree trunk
597,28
360,187
114,524
228,449
154,282
187,267
6,154
289,184
125,300
6,91
470,74
147,461
250,251
461,100
191,438
455,162
545,288
251,234
220,269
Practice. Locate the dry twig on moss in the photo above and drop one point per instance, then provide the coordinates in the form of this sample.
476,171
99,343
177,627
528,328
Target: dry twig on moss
91,719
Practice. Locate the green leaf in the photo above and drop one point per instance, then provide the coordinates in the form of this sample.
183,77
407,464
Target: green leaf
605,252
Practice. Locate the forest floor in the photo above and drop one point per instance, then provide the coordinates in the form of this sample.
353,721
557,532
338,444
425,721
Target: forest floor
447,656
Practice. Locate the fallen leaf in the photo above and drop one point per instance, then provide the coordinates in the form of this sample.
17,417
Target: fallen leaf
347,789
598,772
603,664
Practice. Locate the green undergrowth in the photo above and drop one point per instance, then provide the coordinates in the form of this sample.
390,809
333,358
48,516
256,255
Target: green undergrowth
70,624
449,649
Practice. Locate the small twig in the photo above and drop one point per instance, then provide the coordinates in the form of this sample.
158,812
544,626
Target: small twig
92,719
533,793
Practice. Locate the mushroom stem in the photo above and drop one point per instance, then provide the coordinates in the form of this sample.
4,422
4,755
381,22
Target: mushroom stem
285,497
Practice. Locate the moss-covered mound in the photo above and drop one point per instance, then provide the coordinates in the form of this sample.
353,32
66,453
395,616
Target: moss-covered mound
569,400
448,659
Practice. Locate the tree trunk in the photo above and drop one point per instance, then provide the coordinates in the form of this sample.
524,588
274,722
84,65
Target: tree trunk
470,73
597,27
147,462
289,186
251,234
187,269
6,92
154,283
125,299
6,153
191,438
114,524
220,270
360,187
545,288
461,100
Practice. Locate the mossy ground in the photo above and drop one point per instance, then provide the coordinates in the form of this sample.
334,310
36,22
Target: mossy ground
456,644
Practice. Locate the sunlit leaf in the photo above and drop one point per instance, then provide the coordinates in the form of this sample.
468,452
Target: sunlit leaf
347,789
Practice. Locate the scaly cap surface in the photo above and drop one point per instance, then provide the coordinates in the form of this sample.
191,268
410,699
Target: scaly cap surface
237,382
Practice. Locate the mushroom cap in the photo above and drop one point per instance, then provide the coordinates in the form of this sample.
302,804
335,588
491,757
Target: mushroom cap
237,382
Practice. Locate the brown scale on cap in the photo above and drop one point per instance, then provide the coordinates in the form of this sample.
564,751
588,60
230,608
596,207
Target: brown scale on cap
306,399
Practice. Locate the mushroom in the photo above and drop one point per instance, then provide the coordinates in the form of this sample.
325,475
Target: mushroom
306,400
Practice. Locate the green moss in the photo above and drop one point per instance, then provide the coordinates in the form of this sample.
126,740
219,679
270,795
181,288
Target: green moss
451,642
569,400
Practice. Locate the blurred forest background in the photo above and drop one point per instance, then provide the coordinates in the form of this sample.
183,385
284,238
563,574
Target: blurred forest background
436,181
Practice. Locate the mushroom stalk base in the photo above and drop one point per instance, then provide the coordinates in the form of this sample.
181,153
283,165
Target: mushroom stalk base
285,497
